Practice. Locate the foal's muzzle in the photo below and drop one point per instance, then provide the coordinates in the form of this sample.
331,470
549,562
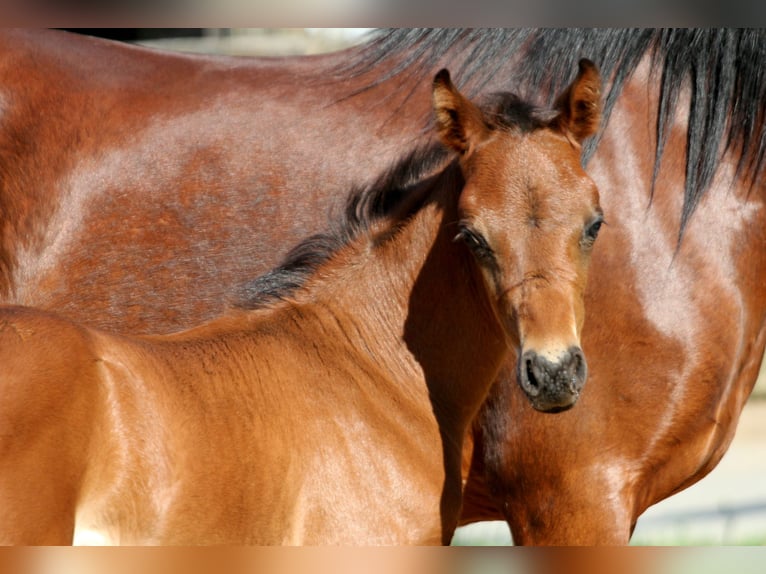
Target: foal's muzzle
553,386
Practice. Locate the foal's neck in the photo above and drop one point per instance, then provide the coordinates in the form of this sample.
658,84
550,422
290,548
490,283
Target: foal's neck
419,299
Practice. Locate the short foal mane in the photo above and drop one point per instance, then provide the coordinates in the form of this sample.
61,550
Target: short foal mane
388,197
394,197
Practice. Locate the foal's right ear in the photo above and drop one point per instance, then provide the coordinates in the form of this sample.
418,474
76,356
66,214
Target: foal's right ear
459,121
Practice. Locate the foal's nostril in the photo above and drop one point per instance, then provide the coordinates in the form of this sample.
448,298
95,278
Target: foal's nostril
531,374
578,369
528,377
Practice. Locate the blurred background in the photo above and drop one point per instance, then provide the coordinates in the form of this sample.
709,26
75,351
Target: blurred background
728,507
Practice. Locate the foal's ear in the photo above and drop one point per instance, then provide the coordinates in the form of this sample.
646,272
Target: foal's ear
579,105
459,121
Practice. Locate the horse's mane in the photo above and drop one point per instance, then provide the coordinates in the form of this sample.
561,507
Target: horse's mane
388,195
724,70
395,196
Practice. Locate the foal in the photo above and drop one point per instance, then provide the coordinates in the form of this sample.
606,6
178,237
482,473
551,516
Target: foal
333,407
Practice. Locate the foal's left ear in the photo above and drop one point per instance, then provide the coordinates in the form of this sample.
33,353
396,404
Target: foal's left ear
459,121
579,105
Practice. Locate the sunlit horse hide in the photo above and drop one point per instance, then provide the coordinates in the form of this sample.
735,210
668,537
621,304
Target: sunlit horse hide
332,406
140,188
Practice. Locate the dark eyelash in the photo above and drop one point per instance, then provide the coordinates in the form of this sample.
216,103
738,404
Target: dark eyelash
591,230
476,243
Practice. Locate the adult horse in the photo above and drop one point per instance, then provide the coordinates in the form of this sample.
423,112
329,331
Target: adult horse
139,187
334,408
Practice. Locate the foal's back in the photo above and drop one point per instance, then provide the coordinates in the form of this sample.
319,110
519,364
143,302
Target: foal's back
145,450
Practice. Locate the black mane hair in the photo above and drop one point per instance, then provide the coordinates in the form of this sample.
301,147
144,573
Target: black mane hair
364,206
724,69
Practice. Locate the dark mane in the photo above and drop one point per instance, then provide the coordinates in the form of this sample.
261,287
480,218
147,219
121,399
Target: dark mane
725,71
388,196
393,195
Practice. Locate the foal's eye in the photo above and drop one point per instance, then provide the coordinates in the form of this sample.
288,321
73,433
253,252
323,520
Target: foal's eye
591,230
470,238
476,243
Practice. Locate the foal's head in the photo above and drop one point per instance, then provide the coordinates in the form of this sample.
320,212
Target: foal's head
530,215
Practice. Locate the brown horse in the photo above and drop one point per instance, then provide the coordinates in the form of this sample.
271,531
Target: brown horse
139,188
334,409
